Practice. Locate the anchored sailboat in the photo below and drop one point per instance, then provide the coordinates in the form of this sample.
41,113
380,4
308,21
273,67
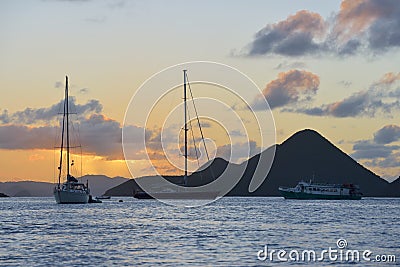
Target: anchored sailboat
183,193
71,191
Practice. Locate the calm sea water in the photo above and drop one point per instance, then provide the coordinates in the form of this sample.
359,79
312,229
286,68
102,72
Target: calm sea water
229,232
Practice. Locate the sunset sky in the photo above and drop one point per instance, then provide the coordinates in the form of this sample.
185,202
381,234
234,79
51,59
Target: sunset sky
333,66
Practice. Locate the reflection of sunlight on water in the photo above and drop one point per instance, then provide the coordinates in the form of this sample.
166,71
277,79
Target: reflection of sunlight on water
36,231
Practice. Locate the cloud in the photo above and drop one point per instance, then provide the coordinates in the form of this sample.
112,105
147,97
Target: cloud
4,117
357,104
377,153
292,37
233,133
374,23
360,26
98,19
381,97
24,137
389,79
73,1
84,91
238,152
117,4
58,85
290,87
345,83
366,149
34,116
102,136
293,65
387,135
351,106
99,135
391,161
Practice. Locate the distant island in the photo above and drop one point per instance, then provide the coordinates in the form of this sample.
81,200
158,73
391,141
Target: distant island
302,156
98,185
3,195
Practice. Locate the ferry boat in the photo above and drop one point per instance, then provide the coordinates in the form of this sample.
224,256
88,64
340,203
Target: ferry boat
310,190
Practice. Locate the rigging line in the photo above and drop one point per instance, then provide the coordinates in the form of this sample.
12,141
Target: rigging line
54,163
77,137
197,117
81,163
80,148
56,138
201,131
194,140
194,143
62,144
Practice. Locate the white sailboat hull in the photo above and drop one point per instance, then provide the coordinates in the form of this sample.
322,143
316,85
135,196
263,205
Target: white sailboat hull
71,196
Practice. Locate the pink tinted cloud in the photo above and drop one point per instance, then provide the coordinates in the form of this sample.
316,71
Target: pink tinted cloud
296,35
382,97
360,26
290,87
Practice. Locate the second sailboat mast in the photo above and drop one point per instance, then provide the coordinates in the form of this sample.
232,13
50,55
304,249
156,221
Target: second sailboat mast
185,122
67,123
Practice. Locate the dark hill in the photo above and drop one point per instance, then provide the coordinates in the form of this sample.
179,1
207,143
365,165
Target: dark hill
211,169
305,155
394,188
129,187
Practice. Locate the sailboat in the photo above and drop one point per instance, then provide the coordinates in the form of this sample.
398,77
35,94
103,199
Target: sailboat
183,193
71,191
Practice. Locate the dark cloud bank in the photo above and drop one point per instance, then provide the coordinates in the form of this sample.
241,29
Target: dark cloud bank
35,129
294,91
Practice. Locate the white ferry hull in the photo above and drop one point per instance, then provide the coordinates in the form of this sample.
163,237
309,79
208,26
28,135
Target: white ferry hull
305,190
302,195
71,197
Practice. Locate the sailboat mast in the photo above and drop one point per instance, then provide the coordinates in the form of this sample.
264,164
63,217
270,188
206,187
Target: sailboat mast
61,146
185,119
67,122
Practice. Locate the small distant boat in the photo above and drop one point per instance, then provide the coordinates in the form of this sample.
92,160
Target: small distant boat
72,191
310,190
177,195
142,195
103,197
94,200
3,195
